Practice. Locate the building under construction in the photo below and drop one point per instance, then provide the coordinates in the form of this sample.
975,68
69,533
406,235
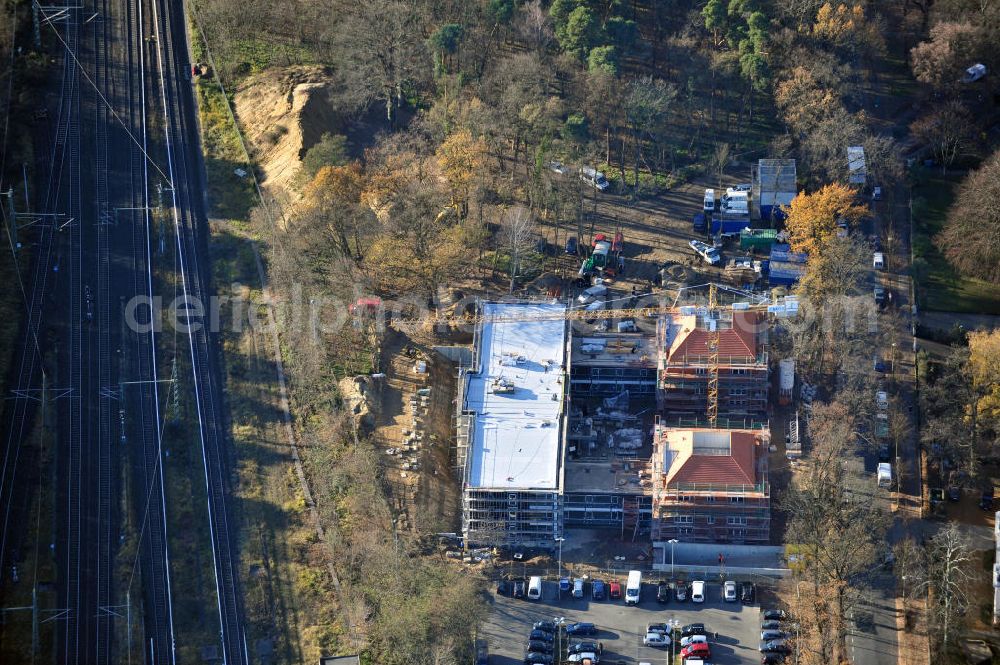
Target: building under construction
701,350
710,485
511,427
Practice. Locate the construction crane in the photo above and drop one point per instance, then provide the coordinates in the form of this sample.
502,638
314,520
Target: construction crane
786,307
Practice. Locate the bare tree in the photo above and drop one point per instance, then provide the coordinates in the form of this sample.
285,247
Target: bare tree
720,159
517,234
949,575
382,53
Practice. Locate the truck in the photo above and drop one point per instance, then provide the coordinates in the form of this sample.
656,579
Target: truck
632,587
783,252
884,474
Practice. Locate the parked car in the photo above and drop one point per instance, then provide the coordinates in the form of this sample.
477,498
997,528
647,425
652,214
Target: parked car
698,591
663,592
986,500
581,628
535,658
878,261
771,634
771,624
774,646
540,635
681,591
772,659
583,656
504,587
572,246
876,193
519,589
564,584
709,254
878,365
585,647
879,294
538,646
578,588
954,493
697,650
592,294
595,178
884,454
729,591
558,167
774,615
658,628
614,590
597,590
656,640
547,626
699,223
747,593
693,629
693,639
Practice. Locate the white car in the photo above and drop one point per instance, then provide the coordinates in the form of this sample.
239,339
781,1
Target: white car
583,656
708,253
729,592
656,640
693,639
558,167
882,400
593,293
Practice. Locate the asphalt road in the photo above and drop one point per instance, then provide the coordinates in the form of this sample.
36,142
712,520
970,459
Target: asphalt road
622,627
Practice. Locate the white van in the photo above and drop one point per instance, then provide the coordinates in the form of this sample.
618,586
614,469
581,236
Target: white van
884,474
709,205
878,261
535,588
595,178
578,588
633,587
698,591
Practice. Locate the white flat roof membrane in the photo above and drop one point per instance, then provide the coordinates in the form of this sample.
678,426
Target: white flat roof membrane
516,440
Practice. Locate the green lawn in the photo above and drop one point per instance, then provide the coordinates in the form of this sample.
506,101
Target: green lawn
940,288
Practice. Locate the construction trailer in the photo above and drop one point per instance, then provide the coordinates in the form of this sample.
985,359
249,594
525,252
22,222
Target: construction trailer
686,360
512,430
710,485
773,183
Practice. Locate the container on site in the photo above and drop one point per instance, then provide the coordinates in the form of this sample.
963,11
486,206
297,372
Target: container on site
786,380
729,224
760,239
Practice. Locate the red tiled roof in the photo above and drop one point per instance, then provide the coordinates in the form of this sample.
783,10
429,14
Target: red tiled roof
737,468
740,340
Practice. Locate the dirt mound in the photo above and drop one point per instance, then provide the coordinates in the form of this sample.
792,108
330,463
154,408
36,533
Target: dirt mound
284,112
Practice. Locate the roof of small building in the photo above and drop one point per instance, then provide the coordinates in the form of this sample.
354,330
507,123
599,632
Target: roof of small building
739,340
721,457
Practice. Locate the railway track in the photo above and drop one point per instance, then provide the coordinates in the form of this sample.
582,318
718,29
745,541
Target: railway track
183,159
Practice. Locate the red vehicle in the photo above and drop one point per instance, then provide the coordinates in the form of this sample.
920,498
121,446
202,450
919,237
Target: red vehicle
598,237
696,650
614,590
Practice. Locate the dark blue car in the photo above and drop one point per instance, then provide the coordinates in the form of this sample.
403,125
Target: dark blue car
582,628
700,224
571,246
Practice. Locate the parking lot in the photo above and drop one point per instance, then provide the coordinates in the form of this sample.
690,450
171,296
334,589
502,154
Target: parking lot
621,628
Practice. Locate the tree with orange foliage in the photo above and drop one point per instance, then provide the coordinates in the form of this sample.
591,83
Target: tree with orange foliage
461,158
812,218
332,202
847,26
